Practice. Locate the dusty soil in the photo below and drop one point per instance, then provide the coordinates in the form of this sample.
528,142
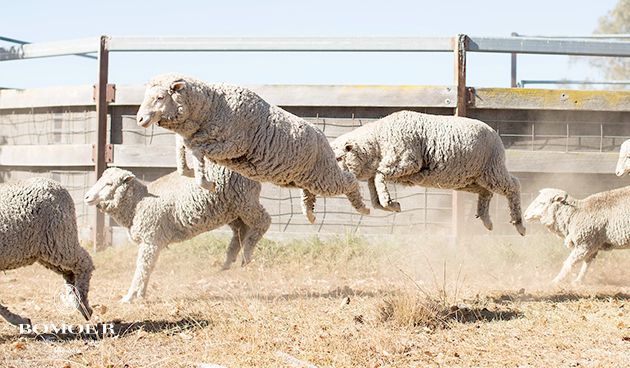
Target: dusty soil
343,302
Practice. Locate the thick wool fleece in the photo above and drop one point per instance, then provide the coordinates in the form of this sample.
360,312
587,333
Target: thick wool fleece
173,209
412,148
234,127
598,222
38,224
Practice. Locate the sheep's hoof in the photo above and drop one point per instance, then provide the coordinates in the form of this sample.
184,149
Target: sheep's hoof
245,261
363,211
226,266
392,207
310,216
486,222
86,312
17,321
126,299
520,228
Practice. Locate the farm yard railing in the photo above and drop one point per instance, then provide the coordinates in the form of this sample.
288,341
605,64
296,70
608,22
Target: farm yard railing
85,128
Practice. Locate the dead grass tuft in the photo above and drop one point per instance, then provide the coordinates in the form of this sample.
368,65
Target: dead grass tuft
416,310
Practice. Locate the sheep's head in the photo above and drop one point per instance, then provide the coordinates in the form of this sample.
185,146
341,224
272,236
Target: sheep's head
623,164
162,103
545,205
348,155
108,190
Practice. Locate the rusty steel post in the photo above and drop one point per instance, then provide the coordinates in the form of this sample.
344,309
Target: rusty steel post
101,135
460,44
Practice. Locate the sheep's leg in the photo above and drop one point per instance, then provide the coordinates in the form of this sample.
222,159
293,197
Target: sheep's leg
257,221
77,276
199,163
483,203
147,257
508,186
308,205
180,154
384,197
351,186
239,229
374,195
585,263
394,166
579,253
13,318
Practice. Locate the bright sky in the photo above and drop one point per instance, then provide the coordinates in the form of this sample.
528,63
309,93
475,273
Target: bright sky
39,21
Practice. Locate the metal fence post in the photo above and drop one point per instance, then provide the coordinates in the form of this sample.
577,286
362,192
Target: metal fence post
460,44
101,134
513,82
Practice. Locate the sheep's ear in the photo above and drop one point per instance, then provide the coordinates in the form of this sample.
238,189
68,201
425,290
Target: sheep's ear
127,178
348,147
560,198
178,85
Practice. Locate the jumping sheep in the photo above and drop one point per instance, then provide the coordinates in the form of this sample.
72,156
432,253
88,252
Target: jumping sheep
234,127
623,163
38,224
598,222
174,209
450,152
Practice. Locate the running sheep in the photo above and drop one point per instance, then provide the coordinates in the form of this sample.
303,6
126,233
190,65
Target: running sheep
38,224
448,152
234,127
174,209
598,222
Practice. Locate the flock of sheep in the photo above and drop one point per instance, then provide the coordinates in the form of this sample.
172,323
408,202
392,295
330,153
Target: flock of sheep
237,140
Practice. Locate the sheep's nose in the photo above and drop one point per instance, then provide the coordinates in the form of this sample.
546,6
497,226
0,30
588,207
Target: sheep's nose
139,119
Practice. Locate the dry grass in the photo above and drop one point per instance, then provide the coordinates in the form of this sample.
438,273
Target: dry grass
341,302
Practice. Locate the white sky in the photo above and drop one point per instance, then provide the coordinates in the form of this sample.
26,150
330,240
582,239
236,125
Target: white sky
38,21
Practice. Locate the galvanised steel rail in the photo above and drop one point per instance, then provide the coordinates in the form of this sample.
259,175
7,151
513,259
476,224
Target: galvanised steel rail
519,45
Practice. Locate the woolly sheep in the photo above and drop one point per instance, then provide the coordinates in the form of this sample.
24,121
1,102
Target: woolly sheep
598,222
38,224
234,127
174,209
412,148
623,163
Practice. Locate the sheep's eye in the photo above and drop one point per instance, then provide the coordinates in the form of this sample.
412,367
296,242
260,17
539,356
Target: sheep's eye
159,98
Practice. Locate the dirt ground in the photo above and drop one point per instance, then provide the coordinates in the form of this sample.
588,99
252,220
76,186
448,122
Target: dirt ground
342,302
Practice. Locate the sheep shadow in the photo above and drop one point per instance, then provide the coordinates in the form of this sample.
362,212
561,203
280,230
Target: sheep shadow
559,297
115,329
473,315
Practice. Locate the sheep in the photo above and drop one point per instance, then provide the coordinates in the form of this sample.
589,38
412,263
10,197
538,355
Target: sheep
598,222
234,127
623,163
412,148
174,209
38,224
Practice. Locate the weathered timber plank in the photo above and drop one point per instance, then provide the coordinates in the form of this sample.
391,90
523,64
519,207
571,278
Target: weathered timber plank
59,155
329,95
550,99
560,162
517,160
46,97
